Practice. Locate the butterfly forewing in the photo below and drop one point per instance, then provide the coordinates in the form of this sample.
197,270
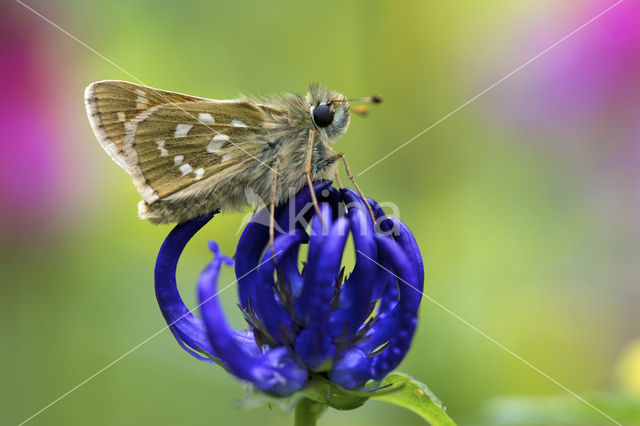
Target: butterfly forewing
110,104
169,141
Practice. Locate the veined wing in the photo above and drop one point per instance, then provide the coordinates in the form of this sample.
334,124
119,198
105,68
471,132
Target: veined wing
110,104
170,146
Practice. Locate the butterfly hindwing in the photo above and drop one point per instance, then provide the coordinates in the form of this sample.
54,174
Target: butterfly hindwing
171,147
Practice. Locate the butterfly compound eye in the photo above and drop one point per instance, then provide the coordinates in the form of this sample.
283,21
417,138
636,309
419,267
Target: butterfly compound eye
323,115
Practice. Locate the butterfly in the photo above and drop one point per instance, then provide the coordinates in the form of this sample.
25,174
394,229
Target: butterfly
189,156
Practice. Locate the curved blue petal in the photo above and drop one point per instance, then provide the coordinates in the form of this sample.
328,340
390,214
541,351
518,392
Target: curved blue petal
275,371
314,345
382,290
408,243
271,313
319,233
356,293
386,316
387,292
188,329
382,221
298,214
352,369
278,372
334,198
255,238
380,333
288,268
389,288
394,258
250,247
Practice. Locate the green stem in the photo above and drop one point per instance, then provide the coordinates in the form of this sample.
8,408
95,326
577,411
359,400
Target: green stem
307,413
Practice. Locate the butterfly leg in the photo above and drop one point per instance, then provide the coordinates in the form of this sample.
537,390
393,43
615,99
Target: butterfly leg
272,211
353,180
307,173
338,179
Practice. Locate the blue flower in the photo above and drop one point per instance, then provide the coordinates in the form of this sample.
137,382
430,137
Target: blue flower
310,322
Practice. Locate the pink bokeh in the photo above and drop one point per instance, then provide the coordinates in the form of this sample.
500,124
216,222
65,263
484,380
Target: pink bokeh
592,75
34,175
581,101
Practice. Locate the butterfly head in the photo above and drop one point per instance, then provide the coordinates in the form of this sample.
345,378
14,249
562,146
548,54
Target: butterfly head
329,112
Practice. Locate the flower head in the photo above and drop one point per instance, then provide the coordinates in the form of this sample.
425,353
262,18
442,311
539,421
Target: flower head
309,322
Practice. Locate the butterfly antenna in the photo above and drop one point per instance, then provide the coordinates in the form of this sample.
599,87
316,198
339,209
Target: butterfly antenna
363,109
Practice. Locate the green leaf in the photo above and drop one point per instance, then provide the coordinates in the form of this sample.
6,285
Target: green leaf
415,396
341,399
321,391
255,398
398,389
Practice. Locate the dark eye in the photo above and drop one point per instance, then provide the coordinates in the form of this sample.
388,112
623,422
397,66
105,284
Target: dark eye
323,115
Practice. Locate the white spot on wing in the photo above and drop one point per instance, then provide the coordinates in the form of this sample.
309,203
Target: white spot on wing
141,101
198,172
177,160
225,158
182,130
205,118
238,123
186,168
121,116
162,149
216,143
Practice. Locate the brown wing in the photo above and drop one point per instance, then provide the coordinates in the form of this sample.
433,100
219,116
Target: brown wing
187,155
110,104
171,147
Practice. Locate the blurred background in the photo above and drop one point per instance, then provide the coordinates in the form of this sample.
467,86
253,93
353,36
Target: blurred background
525,203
